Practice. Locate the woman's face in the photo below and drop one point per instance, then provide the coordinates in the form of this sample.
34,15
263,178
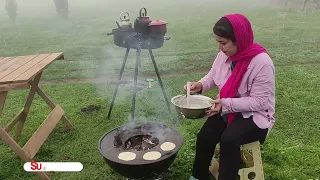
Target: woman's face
227,46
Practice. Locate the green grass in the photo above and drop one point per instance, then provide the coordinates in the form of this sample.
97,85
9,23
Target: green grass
297,117
292,149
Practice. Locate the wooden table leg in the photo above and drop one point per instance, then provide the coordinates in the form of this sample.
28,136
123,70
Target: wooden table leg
3,97
21,118
12,144
52,105
30,149
35,142
19,151
27,105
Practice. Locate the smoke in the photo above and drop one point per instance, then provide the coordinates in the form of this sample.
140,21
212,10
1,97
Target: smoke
160,131
95,56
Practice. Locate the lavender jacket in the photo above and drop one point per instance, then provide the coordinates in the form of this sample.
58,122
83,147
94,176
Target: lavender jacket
256,94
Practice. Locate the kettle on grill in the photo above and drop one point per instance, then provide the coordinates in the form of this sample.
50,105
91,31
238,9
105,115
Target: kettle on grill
142,22
125,21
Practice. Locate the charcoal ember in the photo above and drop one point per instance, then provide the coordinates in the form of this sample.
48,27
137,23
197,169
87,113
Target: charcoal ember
140,143
128,145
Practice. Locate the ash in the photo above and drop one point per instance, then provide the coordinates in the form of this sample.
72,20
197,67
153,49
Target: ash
141,143
140,138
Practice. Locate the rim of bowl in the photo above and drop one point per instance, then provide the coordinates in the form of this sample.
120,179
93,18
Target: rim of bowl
199,96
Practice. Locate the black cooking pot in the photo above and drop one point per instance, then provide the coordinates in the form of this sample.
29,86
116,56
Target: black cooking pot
141,24
120,37
115,141
129,39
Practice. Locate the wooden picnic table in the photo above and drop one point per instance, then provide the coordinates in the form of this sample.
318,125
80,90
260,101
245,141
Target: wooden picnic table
24,72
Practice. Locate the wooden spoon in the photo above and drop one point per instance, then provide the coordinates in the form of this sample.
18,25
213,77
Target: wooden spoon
188,93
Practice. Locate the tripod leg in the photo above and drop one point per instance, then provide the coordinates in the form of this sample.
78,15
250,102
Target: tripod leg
159,79
118,83
139,66
133,107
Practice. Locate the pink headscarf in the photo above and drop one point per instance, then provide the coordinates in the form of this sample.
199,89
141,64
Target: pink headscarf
247,49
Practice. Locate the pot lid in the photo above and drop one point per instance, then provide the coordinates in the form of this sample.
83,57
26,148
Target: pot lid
157,22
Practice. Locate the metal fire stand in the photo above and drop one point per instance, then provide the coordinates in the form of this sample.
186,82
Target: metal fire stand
138,62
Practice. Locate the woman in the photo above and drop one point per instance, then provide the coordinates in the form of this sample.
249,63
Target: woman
243,111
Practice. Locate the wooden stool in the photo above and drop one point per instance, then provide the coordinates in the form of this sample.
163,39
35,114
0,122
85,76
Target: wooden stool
251,156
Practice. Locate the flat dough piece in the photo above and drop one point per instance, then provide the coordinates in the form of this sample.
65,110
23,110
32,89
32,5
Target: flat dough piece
127,156
152,155
167,146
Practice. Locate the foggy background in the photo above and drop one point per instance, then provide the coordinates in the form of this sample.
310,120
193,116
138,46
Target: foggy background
90,53
290,37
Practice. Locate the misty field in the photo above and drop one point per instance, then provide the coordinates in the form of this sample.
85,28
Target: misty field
292,150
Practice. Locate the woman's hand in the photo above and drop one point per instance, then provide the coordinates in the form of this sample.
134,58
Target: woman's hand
215,109
194,87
